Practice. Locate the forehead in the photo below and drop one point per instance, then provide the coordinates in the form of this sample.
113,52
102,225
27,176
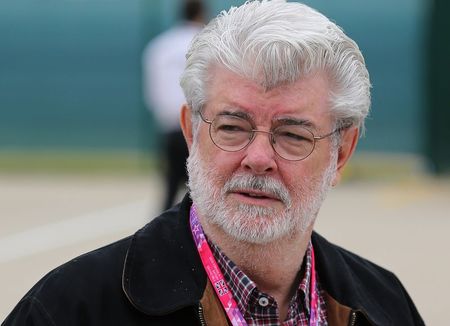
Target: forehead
307,98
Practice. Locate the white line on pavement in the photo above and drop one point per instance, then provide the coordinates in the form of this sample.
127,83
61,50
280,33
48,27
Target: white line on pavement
75,230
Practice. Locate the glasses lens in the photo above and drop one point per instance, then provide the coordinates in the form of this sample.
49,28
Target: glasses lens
293,142
230,133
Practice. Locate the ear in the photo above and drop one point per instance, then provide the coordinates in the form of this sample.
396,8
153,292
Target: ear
346,149
186,124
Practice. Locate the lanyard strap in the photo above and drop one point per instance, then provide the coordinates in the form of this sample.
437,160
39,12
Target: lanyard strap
214,273
313,311
220,285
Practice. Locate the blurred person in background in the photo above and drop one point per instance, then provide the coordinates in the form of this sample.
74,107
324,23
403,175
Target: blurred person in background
277,96
163,62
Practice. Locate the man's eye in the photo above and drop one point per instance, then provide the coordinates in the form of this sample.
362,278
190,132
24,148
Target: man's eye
294,137
230,128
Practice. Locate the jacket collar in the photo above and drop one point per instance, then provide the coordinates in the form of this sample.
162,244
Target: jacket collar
354,287
162,271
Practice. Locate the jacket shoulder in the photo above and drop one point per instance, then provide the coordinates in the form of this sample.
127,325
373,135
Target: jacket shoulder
119,284
81,282
363,285
101,265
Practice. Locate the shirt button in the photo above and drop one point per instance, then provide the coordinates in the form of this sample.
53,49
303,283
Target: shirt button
263,301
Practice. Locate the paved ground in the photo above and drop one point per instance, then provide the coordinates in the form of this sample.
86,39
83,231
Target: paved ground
45,220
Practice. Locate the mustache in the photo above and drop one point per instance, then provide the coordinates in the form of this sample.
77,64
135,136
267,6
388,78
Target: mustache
265,184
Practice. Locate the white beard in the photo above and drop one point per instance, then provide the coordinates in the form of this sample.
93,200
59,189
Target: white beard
251,223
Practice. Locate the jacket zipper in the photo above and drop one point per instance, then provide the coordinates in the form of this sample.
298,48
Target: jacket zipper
201,317
352,321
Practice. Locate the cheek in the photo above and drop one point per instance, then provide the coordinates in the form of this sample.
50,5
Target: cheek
224,164
299,176
205,146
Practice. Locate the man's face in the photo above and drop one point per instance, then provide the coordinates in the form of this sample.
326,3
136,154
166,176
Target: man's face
253,194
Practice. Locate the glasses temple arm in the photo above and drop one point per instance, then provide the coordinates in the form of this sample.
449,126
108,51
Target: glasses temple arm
346,126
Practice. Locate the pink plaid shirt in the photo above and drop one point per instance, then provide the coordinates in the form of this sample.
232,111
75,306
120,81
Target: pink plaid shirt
260,309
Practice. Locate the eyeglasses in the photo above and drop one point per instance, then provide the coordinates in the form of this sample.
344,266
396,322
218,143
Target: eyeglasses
232,133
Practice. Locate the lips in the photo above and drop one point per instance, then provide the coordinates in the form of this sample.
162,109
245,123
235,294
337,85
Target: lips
254,194
257,190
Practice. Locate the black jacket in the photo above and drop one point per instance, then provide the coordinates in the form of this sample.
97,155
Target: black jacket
155,277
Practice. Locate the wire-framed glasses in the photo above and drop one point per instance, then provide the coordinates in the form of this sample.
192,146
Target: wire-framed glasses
291,142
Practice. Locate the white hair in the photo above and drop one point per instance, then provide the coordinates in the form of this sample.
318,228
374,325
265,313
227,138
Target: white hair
273,42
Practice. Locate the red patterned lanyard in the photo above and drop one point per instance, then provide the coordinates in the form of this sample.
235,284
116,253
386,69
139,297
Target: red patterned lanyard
214,273
220,285
313,310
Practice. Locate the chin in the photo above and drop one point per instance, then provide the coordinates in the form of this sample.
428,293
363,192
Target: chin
258,224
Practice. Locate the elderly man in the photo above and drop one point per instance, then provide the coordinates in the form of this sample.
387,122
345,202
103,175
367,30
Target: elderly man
276,98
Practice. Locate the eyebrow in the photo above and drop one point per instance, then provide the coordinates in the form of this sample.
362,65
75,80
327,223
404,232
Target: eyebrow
236,112
297,122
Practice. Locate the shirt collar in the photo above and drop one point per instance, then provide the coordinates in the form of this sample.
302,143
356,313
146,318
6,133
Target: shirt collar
242,286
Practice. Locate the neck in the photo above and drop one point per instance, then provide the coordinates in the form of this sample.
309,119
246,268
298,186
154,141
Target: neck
274,267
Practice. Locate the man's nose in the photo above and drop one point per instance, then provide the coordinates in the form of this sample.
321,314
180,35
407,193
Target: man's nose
260,157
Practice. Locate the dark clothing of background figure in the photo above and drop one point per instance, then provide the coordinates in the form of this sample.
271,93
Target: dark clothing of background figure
176,153
163,62
156,277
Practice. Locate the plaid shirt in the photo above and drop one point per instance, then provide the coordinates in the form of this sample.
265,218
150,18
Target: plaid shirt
260,308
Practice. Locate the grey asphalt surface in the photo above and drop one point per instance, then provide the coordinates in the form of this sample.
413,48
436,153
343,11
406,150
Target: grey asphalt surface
399,223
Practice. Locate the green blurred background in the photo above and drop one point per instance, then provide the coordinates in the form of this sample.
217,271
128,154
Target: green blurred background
70,80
